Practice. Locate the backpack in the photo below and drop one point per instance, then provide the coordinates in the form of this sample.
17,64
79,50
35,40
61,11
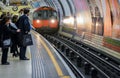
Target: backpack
23,24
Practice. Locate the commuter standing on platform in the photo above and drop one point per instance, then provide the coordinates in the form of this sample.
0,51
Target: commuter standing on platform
14,37
6,30
23,24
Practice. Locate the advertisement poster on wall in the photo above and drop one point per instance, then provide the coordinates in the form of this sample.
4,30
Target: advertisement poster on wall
16,2
97,26
115,15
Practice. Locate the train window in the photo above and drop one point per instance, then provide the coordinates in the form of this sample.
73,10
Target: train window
52,14
38,15
45,14
35,15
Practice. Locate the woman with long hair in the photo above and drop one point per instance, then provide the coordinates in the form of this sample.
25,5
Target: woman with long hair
6,34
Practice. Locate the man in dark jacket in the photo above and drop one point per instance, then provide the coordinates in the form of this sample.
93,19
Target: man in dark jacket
24,25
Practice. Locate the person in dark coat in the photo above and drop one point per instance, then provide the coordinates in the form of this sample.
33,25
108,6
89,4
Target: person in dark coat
6,34
0,34
14,47
24,25
1,17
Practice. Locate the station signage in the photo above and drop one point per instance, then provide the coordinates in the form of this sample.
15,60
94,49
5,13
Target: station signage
18,2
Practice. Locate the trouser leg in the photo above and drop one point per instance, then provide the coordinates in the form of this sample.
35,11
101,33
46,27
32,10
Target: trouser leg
4,55
22,52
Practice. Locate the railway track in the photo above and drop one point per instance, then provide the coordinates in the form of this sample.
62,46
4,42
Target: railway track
90,62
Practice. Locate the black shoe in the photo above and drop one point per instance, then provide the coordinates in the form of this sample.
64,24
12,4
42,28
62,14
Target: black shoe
7,63
24,59
15,55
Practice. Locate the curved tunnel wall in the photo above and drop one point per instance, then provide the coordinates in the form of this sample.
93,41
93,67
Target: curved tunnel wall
72,7
96,16
66,7
99,17
97,21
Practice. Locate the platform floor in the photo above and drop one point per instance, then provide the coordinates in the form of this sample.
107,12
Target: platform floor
45,63
17,68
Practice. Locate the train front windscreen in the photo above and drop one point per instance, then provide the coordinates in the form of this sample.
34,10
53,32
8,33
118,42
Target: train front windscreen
45,14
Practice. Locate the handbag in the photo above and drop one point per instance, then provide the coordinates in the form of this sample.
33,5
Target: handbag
27,40
6,43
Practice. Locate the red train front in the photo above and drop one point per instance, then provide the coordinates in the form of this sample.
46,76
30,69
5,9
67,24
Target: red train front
45,20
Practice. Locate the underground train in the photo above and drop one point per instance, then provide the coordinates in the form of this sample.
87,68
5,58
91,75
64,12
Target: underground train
45,20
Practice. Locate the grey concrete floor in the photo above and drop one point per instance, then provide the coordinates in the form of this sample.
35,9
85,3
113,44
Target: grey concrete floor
17,68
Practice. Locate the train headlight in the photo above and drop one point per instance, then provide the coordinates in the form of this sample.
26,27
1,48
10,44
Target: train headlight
52,20
38,21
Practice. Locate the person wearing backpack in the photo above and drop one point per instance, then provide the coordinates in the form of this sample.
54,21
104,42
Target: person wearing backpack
24,25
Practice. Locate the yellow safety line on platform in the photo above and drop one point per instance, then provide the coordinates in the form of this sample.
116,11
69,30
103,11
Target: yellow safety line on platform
59,71
65,77
57,67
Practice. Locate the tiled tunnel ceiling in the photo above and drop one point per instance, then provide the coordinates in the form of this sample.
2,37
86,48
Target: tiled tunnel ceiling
64,7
